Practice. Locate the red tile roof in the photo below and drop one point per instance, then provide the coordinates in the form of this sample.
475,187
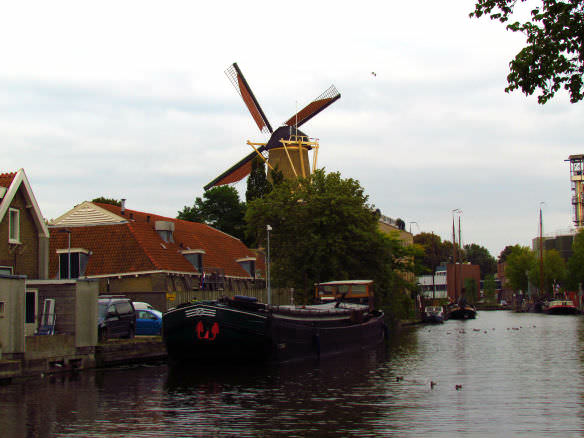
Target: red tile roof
6,179
136,246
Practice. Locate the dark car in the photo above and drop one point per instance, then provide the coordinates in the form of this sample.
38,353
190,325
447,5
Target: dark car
116,318
148,322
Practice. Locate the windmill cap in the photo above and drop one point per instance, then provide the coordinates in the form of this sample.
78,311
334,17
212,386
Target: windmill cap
283,133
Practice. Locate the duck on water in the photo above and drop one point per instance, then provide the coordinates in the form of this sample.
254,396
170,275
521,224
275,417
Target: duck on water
343,319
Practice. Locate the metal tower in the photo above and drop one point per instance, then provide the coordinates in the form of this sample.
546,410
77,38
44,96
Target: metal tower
577,178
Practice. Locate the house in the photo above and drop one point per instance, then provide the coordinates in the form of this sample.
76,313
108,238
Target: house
161,260
24,236
30,304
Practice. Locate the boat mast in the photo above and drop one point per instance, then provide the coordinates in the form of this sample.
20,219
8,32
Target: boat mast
454,259
541,291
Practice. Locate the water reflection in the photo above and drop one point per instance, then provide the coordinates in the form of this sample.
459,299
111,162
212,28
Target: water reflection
520,374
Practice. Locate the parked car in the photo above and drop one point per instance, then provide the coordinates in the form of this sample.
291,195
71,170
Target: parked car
148,322
139,305
116,317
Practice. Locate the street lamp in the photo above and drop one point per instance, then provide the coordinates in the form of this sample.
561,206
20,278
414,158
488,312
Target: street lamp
68,231
268,229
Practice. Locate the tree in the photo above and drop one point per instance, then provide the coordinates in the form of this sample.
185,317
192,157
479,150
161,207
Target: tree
104,200
470,290
322,230
490,289
505,253
433,253
553,57
220,208
554,271
576,263
257,183
520,261
479,255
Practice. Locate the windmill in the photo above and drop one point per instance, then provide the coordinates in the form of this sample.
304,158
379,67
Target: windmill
287,149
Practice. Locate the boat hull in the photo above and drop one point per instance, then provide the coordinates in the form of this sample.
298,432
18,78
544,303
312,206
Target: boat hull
220,332
562,310
458,312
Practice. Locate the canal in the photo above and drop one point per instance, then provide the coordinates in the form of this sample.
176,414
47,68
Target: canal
504,374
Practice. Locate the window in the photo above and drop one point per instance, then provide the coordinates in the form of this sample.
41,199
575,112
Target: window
248,263
14,226
195,258
5,270
79,259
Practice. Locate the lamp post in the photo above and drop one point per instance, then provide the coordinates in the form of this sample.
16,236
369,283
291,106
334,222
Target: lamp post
68,231
268,229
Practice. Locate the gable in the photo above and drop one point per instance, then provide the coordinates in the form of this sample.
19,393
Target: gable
87,213
13,182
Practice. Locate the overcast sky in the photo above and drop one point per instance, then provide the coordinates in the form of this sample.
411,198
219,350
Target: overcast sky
130,100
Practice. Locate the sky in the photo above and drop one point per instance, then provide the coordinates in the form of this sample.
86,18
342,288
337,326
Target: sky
130,100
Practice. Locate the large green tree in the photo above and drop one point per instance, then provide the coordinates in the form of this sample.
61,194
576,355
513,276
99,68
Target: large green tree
553,57
479,255
221,208
505,253
576,263
554,271
322,230
520,261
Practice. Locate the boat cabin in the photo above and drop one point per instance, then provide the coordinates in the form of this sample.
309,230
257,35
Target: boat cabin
354,291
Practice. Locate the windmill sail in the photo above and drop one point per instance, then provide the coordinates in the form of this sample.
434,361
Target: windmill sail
241,86
236,172
313,108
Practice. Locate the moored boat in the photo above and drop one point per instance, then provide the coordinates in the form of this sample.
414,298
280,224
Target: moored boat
433,314
240,328
560,307
461,311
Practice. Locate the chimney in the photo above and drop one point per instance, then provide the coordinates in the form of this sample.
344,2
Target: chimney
123,206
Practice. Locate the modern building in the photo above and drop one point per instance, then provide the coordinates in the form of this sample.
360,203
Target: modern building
450,281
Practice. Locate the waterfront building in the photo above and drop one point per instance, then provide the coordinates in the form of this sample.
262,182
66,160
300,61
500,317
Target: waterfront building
449,281
152,258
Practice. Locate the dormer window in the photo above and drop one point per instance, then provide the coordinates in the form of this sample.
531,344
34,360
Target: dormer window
79,258
195,257
248,263
13,225
165,230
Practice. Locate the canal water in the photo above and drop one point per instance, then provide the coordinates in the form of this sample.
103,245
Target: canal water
503,374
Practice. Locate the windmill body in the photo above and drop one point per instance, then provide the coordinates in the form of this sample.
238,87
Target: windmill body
288,147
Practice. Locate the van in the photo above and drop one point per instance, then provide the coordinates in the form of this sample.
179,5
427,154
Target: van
116,317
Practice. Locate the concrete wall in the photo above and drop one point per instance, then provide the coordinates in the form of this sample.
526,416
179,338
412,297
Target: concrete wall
12,318
86,313
75,307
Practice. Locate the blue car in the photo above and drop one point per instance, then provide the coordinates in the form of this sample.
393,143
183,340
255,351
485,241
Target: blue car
148,322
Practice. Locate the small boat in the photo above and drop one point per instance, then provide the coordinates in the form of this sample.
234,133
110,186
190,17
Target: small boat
240,328
461,311
560,307
433,314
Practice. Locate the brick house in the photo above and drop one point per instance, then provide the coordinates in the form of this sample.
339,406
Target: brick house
24,236
149,257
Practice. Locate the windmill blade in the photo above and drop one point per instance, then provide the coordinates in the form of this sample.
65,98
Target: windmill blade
313,108
236,172
241,86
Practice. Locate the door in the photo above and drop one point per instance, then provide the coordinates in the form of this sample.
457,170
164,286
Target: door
30,312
